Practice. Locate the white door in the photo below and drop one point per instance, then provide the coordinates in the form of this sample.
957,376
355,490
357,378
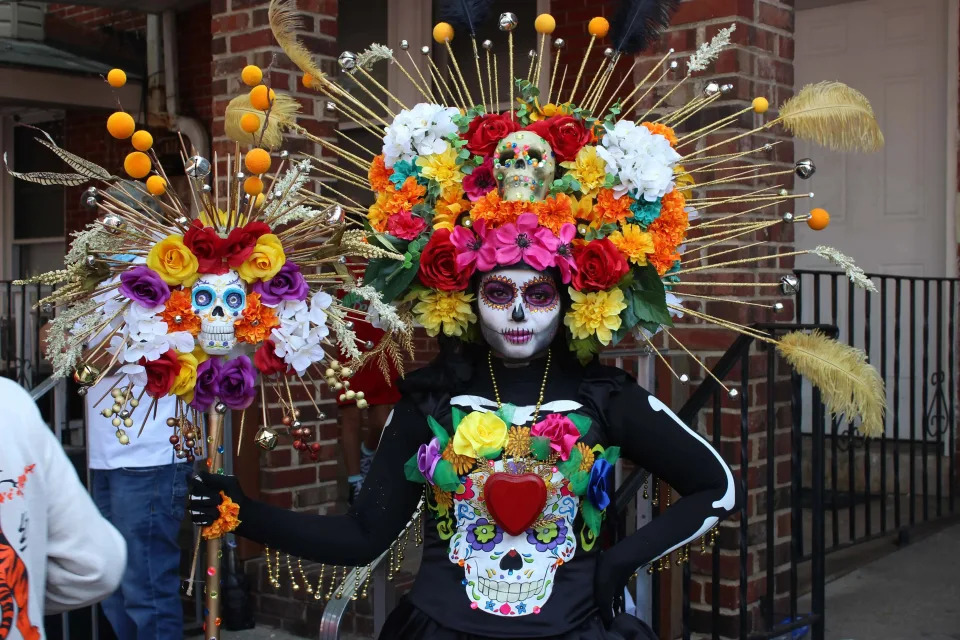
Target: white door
887,209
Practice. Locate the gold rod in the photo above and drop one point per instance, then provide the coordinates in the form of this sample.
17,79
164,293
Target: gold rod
657,351
344,135
476,62
604,81
737,137
456,85
553,74
543,39
563,78
493,99
720,234
729,179
676,86
623,81
372,95
512,107
438,78
696,359
593,82
646,78
426,85
583,64
378,85
714,126
733,300
786,254
533,61
636,103
456,66
759,227
420,89
496,84
749,331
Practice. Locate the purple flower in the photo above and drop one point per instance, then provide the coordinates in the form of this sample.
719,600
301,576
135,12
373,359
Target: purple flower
144,286
238,383
427,458
208,384
483,535
480,181
288,284
548,536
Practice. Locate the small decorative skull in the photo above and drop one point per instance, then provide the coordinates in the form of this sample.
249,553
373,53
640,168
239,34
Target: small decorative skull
218,300
524,166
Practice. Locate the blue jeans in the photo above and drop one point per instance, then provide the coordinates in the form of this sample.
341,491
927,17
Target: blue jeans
146,505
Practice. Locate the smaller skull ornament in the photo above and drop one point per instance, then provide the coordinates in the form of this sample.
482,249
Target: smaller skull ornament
524,166
519,311
218,300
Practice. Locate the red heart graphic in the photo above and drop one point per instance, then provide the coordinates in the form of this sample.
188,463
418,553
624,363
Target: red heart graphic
515,501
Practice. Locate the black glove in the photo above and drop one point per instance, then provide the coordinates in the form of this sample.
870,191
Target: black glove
204,496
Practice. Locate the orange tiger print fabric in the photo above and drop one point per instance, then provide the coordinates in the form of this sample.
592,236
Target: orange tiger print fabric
14,593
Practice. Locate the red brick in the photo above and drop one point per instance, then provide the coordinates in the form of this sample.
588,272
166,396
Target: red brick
251,40
284,478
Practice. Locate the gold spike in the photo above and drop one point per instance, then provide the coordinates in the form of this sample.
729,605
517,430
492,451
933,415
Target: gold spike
563,78
536,78
426,85
729,263
644,81
493,96
438,77
378,85
726,324
496,84
583,64
725,251
423,92
593,82
533,61
727,236
623,81
553,76
676,86
733,300
512,108
346,136
476,62
604,81
660,355
456,66
456,85
714,126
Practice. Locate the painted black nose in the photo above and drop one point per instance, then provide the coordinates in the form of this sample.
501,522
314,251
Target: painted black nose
217,311
511,561
518,314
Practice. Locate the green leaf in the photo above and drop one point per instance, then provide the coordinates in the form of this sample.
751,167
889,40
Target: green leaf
611,455
540,447
467,169
439,432
582,422
457,414
585,348
397,281
591,516
650,299
506,412
569,466
412,471
445,477
579,482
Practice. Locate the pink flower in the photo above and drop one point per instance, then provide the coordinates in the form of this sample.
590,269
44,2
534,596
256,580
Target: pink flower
480,182
526,241
474,246
562,432
564,258
405,226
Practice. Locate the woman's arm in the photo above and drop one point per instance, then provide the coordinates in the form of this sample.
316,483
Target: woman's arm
652,436
380,513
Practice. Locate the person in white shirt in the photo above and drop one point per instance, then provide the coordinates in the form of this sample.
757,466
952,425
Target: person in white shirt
56,551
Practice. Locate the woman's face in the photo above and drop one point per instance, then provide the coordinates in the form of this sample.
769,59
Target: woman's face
519,311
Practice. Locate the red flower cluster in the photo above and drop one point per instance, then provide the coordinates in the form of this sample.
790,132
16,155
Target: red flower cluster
161,373
267,361
600,265
487,130
212,251
566,135
438,264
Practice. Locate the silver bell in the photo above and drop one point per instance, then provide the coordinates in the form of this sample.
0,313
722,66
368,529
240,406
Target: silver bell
805,168
347,61
711,89
331,106
91,191
91,202
205,188
790,284
220,407
404,44
487,44
112,221
198,167
284,153
508,21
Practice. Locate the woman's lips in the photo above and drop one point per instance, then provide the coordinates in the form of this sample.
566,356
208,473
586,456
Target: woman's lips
517,336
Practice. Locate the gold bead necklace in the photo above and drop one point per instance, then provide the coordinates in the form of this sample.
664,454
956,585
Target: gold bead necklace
543,385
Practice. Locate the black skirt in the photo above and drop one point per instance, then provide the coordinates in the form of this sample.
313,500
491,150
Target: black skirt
407,622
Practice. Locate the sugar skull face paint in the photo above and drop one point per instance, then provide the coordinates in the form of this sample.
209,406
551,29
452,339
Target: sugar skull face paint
519,311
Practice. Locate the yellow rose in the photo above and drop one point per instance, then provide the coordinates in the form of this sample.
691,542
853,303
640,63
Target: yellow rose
480,435
265,261
171,259
186,379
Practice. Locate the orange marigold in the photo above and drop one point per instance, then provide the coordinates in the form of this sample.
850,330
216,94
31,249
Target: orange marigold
409,194
178,313
377,213
664,254
669,231
228,520
494,211
379,175
554,212
662,129
609,208
256,321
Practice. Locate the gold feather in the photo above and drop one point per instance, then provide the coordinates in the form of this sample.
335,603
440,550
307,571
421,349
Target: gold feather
834,115
283,114
848,384
284,24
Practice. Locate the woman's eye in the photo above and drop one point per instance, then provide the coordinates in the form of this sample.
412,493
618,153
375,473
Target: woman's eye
498,293
540,295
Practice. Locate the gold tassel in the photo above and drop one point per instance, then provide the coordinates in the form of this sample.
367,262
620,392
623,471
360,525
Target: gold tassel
848,384
282,115
834,115
284,23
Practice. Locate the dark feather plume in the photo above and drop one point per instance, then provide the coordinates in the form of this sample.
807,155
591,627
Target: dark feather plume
639,23
465,13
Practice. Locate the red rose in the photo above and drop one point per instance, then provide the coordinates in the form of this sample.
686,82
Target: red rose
161,373
600,265
438,264
240,243
204,243
267,361
405,226
487,130
566,135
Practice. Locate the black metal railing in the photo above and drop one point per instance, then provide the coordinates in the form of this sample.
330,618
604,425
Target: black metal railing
908,474
21,357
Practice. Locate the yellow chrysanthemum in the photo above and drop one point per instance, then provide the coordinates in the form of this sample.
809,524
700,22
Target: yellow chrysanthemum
442,168
518,442
447,310
461,464
633,243
586,456
448,208
588,169
595,313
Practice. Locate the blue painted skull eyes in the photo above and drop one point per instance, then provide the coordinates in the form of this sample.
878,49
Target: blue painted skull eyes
203,297
234,298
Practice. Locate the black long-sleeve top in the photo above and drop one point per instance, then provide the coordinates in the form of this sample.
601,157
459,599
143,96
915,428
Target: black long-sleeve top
561,565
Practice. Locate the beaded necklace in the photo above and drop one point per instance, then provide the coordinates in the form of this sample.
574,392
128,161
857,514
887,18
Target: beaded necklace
543,385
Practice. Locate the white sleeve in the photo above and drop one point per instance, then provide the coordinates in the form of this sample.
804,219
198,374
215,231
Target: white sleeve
86,556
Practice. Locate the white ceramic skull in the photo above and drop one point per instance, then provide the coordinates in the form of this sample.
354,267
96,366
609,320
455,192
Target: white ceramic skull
519,311
511,575
218,300
524,166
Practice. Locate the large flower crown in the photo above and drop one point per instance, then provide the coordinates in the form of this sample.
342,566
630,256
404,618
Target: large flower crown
460,192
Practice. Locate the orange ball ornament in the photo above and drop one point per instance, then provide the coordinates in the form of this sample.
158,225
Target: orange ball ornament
598,27
249,122
156,186
443,32
120,125
251,75
308,81
142,140
137,164
545,23
819,219
760,105
257,161
116,78
253,186
261,97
